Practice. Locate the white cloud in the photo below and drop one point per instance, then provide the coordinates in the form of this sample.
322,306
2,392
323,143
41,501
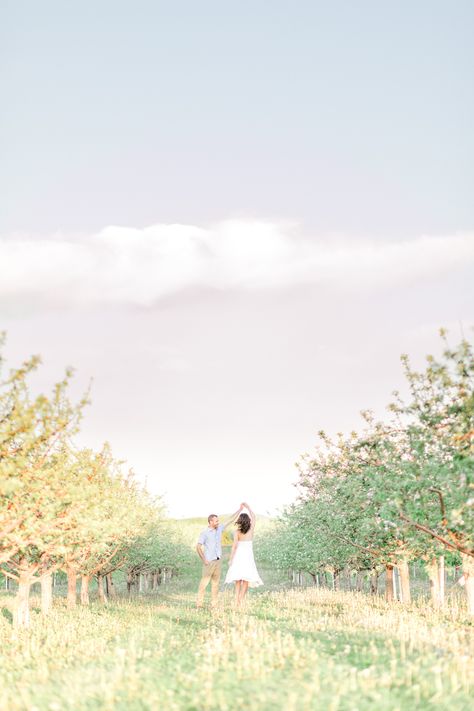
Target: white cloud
124,265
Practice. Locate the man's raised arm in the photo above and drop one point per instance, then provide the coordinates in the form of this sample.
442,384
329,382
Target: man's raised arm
233,518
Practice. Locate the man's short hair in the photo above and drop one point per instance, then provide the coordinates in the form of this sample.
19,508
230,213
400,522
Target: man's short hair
211,516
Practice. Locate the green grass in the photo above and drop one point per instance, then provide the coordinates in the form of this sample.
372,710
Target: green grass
288,649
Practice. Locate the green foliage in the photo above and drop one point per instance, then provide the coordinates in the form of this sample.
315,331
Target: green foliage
162,545
63,507
400,489
34,498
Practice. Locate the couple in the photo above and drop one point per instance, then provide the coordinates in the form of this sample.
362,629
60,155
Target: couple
242,569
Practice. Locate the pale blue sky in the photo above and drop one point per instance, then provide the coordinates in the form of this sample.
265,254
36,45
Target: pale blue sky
319,159
345,116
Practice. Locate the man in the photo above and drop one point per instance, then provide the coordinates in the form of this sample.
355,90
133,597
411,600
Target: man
209,549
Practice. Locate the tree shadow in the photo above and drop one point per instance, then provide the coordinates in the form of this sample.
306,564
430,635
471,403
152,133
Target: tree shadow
7,614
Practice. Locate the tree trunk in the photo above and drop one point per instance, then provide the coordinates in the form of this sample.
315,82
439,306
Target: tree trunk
336,579
389,591
46,593
85,580
396,583
159,576
374,582
21,615
433,575
100,588
110,585
468,573
404,573
441,581
71,587
155,580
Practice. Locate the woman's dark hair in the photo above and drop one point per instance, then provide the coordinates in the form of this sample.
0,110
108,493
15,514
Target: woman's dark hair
243,523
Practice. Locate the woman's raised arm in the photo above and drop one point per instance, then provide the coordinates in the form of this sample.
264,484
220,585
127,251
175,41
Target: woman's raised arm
252,515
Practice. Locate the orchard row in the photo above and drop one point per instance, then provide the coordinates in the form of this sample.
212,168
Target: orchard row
68,508
398,491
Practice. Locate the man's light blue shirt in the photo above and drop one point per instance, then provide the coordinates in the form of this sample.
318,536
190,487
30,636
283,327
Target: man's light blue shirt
211,539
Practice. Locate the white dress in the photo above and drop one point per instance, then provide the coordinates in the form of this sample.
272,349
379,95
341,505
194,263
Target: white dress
243,566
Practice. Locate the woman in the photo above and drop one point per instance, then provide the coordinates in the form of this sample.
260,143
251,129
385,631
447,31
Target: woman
242,570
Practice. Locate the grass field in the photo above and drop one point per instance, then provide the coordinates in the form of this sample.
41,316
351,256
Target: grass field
288,649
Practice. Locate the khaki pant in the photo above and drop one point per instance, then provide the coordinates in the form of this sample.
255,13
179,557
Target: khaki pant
210,572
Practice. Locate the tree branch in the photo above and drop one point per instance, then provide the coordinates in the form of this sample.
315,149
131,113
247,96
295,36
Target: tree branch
442,540
441,503
375,553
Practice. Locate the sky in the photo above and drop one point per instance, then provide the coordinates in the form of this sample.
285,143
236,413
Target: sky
233,218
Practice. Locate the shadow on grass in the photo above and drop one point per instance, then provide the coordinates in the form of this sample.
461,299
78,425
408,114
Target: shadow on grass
357,649
7,614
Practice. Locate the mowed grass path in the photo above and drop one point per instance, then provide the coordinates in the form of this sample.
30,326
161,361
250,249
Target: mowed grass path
288,649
